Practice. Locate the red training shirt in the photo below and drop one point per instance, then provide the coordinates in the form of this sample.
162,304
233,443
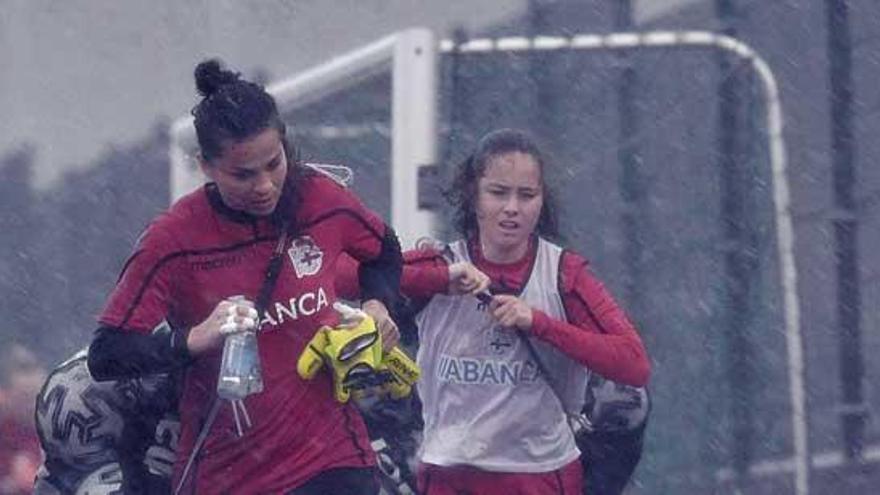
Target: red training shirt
197,254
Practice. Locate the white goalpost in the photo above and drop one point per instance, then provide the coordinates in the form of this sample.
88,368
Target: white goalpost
411,58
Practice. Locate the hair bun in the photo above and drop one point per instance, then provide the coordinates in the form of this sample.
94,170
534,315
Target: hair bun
211,76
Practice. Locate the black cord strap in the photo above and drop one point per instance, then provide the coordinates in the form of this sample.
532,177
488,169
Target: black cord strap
273,269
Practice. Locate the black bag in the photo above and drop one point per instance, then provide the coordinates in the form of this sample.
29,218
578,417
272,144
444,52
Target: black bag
611,445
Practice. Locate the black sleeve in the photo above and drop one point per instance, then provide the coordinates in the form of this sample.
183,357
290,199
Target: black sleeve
404,314
116,354
379,278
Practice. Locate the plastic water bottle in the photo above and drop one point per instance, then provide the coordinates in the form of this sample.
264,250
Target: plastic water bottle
240,373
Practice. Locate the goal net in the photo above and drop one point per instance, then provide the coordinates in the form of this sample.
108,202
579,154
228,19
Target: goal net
639,187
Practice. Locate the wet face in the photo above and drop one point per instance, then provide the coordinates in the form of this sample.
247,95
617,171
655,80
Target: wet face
250,174
509,201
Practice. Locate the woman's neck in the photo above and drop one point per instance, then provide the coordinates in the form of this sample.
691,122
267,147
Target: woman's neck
503,256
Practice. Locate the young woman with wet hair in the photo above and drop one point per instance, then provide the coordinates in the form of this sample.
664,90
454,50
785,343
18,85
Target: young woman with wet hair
216,243
501,373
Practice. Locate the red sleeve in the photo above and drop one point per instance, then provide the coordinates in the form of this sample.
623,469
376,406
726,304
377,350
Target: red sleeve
425,273
598,333
143,294
362,229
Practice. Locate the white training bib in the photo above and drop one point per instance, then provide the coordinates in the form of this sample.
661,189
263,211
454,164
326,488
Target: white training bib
485,403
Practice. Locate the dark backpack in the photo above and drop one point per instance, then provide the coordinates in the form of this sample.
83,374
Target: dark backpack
611,446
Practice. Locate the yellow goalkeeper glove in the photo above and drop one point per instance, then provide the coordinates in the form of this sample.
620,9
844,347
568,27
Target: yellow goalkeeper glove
356,358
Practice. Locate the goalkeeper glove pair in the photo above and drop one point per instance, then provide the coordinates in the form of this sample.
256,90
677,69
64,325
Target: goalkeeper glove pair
354,355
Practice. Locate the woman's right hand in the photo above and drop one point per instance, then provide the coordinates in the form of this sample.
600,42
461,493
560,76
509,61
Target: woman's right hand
465,278
229,316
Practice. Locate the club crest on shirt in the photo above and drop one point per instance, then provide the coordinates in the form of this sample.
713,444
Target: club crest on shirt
306,256
500,340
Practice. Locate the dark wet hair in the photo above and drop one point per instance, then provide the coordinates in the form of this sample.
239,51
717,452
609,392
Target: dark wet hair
462,194
232,109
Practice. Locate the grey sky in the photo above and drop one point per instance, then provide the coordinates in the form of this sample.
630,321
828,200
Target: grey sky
80,75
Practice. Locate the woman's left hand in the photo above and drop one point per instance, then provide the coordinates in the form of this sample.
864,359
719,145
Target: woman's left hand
511,311
384,324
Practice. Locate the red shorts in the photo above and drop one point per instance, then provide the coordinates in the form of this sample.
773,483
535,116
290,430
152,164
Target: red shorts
458,480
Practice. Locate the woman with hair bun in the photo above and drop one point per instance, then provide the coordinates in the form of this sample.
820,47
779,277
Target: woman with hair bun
266,228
